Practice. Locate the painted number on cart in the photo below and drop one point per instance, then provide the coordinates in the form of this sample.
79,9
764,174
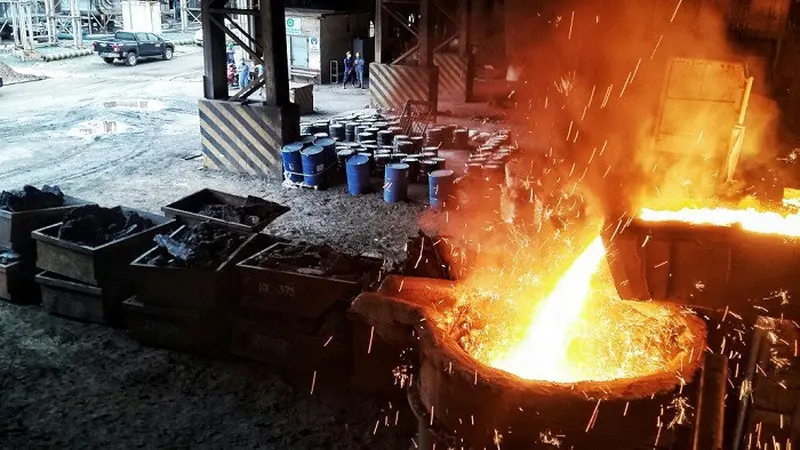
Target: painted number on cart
280,289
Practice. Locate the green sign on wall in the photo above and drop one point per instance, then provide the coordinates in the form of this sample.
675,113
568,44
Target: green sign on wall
293,25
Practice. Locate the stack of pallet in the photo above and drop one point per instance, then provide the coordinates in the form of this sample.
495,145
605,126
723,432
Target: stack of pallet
185,286
18,249
292,308
87,279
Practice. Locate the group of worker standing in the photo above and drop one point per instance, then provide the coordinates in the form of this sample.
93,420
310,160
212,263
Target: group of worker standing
354,70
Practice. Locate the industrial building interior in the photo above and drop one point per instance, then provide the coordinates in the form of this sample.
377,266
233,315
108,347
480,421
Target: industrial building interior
533,224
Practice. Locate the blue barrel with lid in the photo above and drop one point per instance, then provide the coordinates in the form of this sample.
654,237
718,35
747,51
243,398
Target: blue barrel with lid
292,161
440,188
358,171
307,140
313,159
328,144
395,186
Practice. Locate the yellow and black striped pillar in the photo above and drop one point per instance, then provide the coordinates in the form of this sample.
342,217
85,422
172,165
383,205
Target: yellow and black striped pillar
391,86
453,72
246,137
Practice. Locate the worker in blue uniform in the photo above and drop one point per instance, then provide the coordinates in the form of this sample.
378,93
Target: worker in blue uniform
348,68
359,65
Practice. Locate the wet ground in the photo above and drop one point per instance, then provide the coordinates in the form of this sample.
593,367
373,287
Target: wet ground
129,136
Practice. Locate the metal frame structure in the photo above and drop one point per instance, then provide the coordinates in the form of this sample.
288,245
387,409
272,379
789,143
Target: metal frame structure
425,26
39,22
238,24
190,16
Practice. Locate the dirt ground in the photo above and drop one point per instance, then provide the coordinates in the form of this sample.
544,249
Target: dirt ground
129,136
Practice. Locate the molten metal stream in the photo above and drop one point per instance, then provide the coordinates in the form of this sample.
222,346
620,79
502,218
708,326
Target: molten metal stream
548,337
580,330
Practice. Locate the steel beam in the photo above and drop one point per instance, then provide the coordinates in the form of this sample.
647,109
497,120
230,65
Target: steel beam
242,11
465,28
77,30
215,84
276,66
379,31
426,36
184,14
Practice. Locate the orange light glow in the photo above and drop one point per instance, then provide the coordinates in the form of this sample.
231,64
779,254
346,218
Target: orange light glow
750,219
547,339
579,331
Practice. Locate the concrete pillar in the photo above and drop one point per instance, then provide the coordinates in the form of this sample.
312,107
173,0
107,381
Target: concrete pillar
215,84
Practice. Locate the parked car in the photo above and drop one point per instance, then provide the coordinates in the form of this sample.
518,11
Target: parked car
132,46
198,37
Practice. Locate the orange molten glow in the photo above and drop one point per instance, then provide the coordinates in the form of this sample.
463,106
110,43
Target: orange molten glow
578,331
552,322
750,219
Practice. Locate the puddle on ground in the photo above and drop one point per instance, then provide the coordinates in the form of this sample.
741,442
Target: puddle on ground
95,128
14,153
135,105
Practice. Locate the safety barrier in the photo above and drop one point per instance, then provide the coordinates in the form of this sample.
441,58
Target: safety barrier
390,86
452,76
239,138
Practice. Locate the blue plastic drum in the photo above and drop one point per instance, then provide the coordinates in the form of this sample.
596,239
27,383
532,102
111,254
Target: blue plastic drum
358,171
395,187
292,161
314,159
440,188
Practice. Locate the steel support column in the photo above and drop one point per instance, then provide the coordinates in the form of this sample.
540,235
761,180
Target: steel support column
77,30
379,31
426,24
184,12
215,84
273,40
465,46
239,134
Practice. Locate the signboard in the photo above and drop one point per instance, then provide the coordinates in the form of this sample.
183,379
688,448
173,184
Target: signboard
294,25
313,45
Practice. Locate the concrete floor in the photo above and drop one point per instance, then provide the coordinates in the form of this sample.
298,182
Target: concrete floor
65,384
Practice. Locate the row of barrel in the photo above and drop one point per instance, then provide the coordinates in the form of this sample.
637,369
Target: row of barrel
381,131
488,161
321,161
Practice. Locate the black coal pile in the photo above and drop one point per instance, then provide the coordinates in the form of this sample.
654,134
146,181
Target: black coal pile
319,260
8,257
94,225
254,211
31,198
203,246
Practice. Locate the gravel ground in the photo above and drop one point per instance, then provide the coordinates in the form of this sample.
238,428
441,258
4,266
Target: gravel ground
71,385
11,76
